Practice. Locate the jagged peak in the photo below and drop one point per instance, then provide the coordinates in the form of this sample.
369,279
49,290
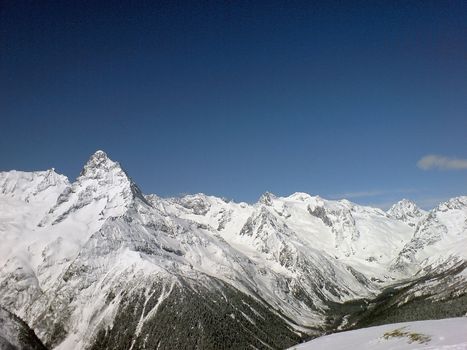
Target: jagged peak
266,198
98,157
103,180
453,203
100,153
100,167
404,206
407,211
99,161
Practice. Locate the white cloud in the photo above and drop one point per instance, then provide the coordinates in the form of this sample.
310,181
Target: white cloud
440,162
360,194
373,193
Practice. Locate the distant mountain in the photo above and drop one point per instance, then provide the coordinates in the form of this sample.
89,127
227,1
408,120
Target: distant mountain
407,211
97,264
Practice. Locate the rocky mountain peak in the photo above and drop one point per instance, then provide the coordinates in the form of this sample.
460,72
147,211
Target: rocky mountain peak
101,172
107,172
404,206
407,211
98,164
453,203
102,184
266,198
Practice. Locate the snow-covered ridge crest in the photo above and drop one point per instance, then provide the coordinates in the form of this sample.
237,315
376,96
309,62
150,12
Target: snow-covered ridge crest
30,186
98,165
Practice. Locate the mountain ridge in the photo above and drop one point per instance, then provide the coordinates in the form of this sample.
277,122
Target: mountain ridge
93,250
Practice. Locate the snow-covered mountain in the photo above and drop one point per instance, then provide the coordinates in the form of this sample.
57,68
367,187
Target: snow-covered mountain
97,264
407,211
438,235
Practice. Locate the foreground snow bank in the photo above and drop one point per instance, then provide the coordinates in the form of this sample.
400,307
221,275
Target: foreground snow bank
444,334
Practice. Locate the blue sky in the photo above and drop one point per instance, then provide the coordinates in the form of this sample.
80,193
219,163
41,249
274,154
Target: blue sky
336,98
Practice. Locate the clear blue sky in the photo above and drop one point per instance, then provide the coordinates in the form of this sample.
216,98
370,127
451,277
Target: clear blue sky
336,98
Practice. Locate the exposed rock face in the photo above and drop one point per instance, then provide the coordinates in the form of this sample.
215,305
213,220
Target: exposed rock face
15,334
196,204
320,212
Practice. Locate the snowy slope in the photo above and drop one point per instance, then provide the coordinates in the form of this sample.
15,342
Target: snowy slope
25,199
447,334
95,263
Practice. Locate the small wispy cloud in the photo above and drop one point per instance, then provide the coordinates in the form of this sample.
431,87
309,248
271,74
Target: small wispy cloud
433,161
373,193
426,203
361,194
384,205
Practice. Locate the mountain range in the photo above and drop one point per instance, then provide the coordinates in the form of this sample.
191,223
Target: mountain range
97,264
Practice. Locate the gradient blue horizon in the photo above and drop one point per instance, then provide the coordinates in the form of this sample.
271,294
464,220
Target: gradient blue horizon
339,99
